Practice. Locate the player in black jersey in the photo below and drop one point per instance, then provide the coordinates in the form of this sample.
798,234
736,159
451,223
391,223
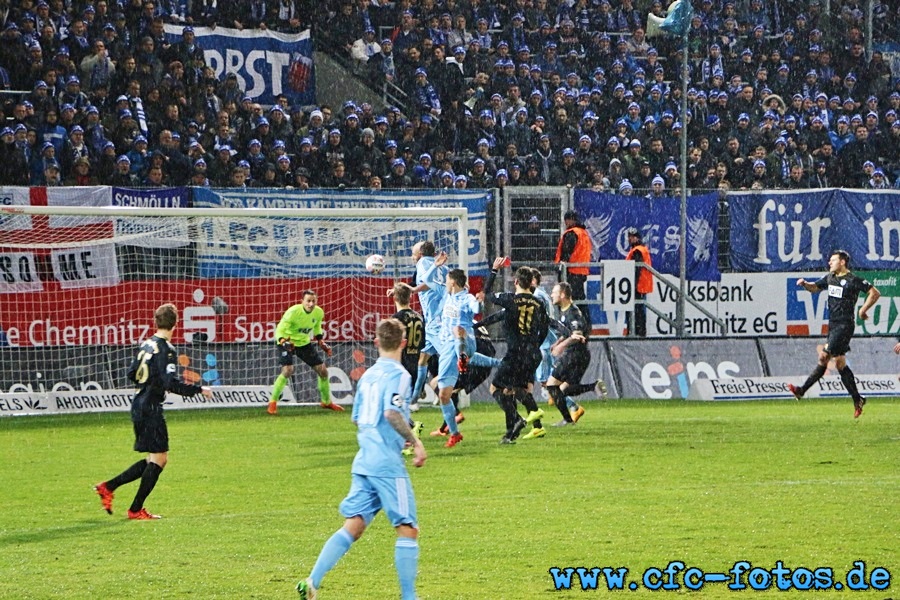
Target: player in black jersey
526,323
572,356
415,341
843,291
154,371
415,330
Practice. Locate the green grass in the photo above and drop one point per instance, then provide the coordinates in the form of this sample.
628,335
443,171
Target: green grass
249,500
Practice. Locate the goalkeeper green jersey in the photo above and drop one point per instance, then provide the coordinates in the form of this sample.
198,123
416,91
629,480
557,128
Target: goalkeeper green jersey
300,326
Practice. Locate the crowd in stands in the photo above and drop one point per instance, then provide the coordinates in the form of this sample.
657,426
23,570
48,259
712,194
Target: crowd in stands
513,92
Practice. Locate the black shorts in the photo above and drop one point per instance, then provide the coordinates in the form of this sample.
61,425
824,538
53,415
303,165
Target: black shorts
839,336
307,354
571,366
474,377
517,369
151,434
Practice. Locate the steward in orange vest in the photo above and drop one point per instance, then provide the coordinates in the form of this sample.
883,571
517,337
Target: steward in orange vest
575,247
644,284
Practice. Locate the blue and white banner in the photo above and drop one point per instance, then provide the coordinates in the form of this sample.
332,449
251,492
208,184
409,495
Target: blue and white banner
608,216
798,231
321,246
267,63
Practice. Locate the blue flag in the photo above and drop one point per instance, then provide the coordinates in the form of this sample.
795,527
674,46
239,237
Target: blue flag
678,18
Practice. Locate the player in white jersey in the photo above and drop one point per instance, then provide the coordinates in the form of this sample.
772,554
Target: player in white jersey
380,480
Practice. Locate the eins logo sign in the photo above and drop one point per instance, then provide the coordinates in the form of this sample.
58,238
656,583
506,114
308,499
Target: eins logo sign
674,379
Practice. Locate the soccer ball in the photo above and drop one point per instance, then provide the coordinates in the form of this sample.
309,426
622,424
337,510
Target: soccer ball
375,264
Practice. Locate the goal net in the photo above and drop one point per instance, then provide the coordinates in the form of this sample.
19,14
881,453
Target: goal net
78,287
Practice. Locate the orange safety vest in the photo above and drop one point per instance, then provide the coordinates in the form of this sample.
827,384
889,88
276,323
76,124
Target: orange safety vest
581,253
644,278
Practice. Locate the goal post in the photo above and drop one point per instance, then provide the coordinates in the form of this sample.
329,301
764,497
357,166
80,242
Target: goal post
79,284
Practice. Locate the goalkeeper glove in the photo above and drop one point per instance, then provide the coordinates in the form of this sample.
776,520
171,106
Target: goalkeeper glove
286,344
325,347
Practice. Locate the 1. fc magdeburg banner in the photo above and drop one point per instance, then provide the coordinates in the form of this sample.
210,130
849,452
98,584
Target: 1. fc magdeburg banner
267,63
319,246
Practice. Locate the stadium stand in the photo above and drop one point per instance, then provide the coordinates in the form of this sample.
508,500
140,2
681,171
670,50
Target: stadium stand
522,92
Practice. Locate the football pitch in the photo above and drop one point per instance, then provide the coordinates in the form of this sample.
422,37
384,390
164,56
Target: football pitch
249,499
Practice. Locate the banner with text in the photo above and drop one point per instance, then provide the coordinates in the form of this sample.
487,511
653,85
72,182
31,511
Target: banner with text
751,305
214,310
68,380
797,231
332,247
796,357
768,388
152,232
608,216
94,401
267,63
73,251
663,369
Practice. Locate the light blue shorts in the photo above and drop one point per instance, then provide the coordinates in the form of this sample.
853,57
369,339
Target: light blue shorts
432,342
368,495
448,370
542,374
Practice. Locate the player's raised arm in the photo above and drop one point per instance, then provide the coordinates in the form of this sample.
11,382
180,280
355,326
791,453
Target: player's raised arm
499,263
433,277
413,290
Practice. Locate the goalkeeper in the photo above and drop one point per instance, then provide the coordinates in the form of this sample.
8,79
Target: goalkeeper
299,326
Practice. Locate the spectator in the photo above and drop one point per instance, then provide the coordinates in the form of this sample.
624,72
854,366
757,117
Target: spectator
122,176
52,176
81,173
97,68
364,48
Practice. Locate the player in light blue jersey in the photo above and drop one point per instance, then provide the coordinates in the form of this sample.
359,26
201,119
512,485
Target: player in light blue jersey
457,338
380,480
431,298
543,371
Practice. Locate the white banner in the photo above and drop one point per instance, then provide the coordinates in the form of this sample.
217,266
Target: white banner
18,273
79,196
86,266
14,196
94,401
768,388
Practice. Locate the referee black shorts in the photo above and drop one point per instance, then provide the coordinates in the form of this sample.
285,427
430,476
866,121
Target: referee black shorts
839,336
517,369
571,366
306,353
151,434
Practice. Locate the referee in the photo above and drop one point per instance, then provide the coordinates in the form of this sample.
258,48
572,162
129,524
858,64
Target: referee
844,289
